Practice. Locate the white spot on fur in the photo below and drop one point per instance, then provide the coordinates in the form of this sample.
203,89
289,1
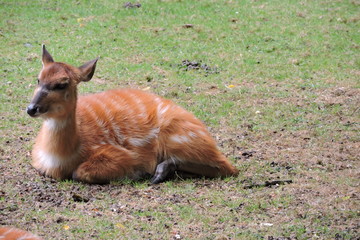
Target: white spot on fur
118,106
118,135
192,134
139,104
157,100
112,122
162,110
8,231
99,122
179,138
140,142
201,132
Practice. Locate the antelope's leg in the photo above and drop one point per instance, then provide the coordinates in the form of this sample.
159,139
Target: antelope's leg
163,170
108,163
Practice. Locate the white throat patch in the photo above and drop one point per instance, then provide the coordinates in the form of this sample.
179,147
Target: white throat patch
55,125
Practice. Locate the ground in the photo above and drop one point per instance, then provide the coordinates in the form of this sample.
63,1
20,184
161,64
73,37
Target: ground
321,199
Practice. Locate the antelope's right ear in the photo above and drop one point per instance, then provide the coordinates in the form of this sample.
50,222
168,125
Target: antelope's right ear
87,70
46,57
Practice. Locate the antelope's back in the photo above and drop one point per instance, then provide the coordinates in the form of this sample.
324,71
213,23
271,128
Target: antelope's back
124,117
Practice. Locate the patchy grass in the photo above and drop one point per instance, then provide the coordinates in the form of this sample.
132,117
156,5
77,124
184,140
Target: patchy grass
277,82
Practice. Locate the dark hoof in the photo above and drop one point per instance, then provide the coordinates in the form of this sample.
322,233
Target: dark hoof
156,180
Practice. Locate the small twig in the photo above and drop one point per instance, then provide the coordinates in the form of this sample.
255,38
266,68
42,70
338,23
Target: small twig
268,184
354,111
178,176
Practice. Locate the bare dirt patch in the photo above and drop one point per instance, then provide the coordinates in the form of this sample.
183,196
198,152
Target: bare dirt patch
187,65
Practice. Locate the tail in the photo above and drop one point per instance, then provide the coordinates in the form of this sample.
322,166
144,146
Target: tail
226,169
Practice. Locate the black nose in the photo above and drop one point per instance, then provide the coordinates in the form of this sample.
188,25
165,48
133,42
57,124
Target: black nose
32,109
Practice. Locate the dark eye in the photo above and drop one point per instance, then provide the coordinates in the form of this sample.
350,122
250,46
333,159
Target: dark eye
60,86
38,81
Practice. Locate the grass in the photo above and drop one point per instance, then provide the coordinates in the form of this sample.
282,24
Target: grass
281,97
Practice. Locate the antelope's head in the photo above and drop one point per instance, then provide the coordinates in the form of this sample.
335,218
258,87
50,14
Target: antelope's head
56,92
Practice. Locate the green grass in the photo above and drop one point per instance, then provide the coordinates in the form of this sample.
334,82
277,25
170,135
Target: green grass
287,89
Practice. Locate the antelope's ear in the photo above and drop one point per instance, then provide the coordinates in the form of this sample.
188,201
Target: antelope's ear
87,70
46,57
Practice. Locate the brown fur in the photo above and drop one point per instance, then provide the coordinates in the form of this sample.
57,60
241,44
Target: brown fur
9,233
115,134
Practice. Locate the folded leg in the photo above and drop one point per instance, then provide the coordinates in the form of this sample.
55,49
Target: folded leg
109,163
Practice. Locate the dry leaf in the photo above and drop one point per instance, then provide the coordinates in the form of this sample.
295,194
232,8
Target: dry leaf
119,225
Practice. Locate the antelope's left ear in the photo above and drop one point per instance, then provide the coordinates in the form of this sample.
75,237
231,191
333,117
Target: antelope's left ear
46,57
87,70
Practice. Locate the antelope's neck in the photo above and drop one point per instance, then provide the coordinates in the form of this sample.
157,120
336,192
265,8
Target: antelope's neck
59,136
57,149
